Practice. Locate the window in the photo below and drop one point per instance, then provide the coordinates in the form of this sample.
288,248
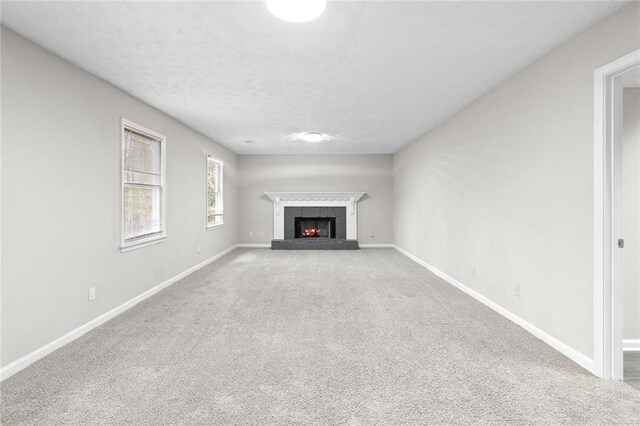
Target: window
143,198
214,192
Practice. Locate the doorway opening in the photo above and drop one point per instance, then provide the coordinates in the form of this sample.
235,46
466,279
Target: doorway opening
617,219
630,225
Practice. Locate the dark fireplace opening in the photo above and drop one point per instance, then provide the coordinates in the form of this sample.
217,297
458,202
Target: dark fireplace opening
315,227
315,224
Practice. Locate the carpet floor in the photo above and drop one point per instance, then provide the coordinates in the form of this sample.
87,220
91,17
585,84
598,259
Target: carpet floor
311,337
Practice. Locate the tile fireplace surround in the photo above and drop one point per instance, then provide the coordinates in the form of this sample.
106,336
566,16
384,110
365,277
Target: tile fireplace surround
349,200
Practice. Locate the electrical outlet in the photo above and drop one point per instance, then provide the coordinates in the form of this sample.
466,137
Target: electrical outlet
198,249
92,293
373,234
516,291
476,271
251,233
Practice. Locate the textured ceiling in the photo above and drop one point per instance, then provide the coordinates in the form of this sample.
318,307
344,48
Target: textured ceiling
374,75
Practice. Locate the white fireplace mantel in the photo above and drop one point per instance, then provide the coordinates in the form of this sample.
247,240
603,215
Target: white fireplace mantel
315,199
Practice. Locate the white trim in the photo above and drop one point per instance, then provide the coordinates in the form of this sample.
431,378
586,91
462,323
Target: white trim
217,225
304,196
576,356
631,345
143,243
607,297
23,362
159,236
261,245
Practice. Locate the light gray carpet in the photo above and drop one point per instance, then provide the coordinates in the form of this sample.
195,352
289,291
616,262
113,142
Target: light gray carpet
312,337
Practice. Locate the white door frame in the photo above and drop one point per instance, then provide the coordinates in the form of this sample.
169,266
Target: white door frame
607,309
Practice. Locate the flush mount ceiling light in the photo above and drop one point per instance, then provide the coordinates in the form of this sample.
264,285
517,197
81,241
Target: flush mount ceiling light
297,10
312,137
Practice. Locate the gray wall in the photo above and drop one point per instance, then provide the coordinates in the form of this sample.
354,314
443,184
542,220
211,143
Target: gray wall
263,173
631,213
61,198
506,186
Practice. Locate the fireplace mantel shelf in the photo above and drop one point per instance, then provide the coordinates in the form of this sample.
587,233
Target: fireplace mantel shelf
314,196
315,199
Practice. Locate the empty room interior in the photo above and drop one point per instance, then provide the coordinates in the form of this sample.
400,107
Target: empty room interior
319,212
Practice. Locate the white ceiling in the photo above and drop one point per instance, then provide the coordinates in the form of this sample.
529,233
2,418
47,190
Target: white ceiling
375,75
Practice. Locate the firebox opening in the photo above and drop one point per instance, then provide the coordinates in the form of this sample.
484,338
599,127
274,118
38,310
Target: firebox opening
314,227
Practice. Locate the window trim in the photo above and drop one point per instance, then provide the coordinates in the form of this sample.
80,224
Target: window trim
157,237
221,192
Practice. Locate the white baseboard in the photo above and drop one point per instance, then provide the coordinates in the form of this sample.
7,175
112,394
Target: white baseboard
254,245
23,362
576,356
631,345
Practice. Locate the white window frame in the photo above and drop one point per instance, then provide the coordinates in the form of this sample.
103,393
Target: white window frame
221,186
162,235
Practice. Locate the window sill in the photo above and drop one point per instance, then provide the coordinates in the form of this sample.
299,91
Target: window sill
141,244
212,227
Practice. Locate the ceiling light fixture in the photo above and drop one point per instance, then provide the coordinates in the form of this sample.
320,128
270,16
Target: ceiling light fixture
297,10
313,137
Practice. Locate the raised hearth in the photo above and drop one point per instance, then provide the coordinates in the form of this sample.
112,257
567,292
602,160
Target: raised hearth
315,244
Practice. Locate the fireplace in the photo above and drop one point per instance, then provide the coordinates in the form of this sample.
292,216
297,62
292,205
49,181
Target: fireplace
315,220
315,227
